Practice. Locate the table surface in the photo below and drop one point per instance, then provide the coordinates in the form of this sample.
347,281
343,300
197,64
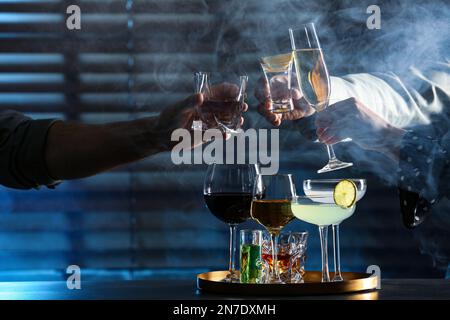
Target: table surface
186,289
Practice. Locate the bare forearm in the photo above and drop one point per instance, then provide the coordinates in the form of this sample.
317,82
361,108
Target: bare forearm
77,150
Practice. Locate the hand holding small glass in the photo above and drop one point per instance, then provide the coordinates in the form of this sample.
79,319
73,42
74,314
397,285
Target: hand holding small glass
224,100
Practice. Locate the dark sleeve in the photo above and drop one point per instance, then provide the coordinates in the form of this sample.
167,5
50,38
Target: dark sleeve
307,127
22,151
423,174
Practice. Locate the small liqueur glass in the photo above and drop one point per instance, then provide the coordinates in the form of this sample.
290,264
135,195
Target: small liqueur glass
223,100
277,73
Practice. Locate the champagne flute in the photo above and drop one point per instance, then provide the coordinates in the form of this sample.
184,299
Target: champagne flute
313,79
324,189
271,207
227,191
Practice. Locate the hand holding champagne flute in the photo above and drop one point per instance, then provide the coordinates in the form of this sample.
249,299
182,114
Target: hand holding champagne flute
313,78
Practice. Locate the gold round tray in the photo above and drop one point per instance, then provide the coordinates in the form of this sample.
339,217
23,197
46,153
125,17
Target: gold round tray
353,282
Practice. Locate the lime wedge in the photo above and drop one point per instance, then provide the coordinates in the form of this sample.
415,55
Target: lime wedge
344,193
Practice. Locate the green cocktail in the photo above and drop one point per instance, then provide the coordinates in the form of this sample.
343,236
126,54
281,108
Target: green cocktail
321,214
250,263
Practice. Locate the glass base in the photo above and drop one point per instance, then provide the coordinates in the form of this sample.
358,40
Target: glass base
325,278
337,278
232,277
344,140
276,281
282,107
335,164
229,129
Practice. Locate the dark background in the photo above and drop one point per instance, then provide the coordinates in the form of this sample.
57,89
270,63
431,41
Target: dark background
131,59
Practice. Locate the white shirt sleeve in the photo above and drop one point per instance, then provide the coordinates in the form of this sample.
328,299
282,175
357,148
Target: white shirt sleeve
399,102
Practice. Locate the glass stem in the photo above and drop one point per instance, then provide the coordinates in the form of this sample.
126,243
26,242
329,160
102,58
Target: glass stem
274,243
336,254
331,155
231,264
323,230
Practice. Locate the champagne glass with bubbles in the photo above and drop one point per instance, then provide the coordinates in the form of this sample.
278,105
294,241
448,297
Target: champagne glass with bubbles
313,79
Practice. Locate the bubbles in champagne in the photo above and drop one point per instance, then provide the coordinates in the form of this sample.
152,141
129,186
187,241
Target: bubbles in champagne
312,76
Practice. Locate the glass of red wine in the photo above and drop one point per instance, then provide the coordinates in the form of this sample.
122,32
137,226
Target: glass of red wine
227,191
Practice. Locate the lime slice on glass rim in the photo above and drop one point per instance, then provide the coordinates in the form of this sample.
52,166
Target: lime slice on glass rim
344,194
